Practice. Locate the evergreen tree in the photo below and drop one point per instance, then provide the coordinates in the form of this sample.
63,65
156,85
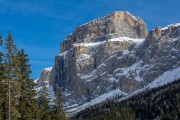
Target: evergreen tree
18,99
43,104
58,113
27,102
10,78
2,88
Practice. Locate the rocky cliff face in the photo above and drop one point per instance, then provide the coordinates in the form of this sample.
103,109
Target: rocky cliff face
117,24
47,76
88,57
113,53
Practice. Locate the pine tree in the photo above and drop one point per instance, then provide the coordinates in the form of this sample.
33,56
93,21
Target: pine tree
2,88
27,103
10,78
43,103
58,112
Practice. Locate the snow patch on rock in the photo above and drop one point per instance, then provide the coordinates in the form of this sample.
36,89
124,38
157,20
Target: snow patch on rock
47,69
165,28
125,39
88,44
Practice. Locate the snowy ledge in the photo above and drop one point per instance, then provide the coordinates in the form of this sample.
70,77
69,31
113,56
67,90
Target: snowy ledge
88,44
47,69
120,39
165,28
63,53
126,39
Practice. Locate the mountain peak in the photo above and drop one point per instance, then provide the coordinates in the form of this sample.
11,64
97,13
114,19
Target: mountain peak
117,24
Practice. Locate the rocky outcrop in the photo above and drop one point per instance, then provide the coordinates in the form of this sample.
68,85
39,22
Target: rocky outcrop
93,68
47,76
117,24
113,53
161,50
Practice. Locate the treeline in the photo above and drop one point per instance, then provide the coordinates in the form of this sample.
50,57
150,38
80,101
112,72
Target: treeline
18,98
158,103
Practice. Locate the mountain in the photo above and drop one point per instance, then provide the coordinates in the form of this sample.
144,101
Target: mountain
113,56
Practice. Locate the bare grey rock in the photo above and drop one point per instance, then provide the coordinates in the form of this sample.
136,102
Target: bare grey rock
117,24
113,52
47,76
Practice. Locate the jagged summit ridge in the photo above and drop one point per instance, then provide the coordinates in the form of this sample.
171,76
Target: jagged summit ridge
108,18
171,25
117,24
171,32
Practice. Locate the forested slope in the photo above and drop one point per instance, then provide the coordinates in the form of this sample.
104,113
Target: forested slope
162,102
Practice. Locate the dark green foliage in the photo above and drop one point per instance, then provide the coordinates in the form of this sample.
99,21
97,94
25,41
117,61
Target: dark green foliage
18,99
10,79
43,104
27,106
106,112
114,114
47,111
162,102
2,88
58,113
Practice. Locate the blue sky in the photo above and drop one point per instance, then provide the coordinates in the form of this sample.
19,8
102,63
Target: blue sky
39,26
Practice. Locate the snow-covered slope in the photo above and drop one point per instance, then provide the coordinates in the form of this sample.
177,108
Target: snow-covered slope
114,94
164,79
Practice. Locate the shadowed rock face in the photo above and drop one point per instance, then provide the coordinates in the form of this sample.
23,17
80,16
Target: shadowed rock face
114,52
161,50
